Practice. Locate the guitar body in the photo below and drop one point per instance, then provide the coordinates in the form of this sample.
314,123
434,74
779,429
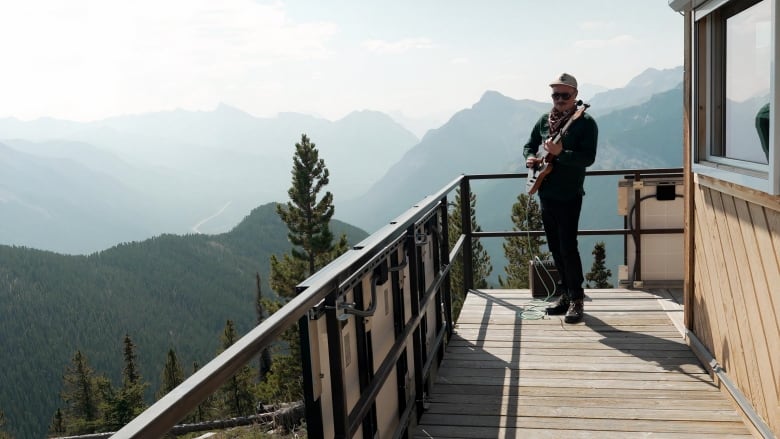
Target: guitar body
541,170
537,174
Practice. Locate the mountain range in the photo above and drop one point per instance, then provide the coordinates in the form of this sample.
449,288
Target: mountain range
139,225
489,136
77,188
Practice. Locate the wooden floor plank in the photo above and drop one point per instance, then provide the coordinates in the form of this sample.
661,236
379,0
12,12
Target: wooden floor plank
623,372
461,432
575,410
582,401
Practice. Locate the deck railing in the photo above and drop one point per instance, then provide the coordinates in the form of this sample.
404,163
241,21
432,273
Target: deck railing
373,324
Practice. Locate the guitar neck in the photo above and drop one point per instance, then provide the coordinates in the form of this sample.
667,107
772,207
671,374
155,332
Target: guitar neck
574,117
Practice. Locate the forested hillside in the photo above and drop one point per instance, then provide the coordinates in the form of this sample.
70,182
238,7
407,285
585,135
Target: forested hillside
166,292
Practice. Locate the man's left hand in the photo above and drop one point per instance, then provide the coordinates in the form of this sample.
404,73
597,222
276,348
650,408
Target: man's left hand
553,148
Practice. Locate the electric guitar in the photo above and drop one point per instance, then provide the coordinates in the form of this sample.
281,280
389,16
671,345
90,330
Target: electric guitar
545,166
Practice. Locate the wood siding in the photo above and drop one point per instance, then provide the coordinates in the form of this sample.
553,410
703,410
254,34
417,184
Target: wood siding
735,294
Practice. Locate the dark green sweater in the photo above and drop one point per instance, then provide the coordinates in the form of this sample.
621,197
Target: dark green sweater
566,179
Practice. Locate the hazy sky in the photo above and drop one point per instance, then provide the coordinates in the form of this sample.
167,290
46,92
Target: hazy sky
91,59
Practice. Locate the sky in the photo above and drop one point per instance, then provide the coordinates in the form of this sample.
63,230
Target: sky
87,60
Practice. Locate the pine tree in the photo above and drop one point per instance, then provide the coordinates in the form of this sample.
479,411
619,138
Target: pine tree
57,427
480,264
599,273
3,434
308,223
111,405
172,374
81,397
133,385
236,397
120,406
521,250
307,219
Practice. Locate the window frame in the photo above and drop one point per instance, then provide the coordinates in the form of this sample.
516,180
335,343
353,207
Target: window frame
708,88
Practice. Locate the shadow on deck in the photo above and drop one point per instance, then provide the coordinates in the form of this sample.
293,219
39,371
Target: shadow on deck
623,372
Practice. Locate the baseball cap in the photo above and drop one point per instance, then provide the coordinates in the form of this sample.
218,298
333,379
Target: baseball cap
565,79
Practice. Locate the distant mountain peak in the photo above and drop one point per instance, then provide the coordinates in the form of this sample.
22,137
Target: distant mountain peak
640,89
367,115
229,109
652,76
359,113
492,99
492,96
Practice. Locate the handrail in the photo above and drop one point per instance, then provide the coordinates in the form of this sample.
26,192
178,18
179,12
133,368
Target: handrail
158,419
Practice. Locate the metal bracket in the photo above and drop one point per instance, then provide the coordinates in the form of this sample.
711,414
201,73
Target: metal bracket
349,307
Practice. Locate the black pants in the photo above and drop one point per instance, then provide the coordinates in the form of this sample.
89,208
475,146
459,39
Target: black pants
561,220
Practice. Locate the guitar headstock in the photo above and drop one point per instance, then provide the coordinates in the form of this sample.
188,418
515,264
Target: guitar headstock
581,109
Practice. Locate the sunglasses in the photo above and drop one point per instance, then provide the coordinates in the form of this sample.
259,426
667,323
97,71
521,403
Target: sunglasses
564,96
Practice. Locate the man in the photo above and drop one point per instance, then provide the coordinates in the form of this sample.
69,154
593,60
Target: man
561,190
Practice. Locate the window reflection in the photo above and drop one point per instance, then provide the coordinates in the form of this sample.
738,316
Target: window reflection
748,43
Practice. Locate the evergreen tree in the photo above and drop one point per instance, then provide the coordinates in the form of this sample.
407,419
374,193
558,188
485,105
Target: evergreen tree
480,264
130,374
133,386
3,434
521,250
81,397
124,404
599,273
172,374
308,223
57,427
261,307
118,406
236,397
307,219
111,406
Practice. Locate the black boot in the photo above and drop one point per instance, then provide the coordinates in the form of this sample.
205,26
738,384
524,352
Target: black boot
560,306
575,312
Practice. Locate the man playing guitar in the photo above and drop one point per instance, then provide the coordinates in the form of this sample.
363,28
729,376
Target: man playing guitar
568,137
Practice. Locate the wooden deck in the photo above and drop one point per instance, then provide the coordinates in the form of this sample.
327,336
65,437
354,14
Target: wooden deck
624,372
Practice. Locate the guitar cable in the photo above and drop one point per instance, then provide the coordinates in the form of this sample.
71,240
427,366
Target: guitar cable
536,309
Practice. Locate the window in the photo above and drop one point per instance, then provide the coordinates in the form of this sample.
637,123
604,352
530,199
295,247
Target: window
734,93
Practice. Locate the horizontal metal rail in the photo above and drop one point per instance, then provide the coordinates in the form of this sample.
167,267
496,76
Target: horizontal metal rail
507,233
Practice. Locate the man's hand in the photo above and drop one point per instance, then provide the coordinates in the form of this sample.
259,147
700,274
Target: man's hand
532,162
553,148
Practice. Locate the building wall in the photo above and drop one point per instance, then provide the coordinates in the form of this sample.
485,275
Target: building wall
736,288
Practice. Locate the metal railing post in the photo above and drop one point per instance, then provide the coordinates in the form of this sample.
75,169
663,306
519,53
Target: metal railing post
465,224
312,407
337,382
637,227
444,249
414,296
